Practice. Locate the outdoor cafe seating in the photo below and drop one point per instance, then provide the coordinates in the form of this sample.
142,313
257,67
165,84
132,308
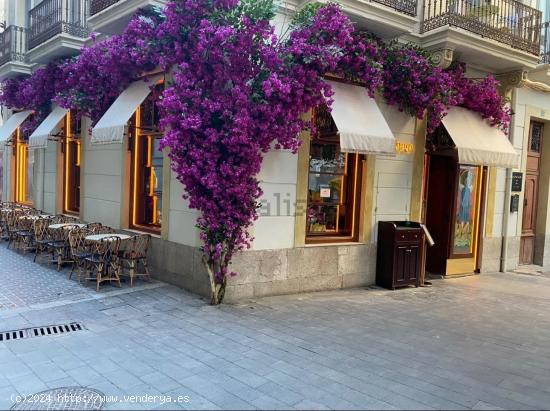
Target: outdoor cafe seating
93,251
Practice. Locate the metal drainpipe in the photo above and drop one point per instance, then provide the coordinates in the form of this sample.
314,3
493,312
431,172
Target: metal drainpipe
507,197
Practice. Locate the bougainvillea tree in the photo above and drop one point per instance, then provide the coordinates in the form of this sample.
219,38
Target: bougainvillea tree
236,90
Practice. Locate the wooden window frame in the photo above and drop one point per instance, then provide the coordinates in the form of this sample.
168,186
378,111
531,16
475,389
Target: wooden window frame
71,148
351,186
21,154
141,146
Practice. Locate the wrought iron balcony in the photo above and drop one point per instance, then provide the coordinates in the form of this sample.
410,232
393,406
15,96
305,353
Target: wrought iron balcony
507,21
403,6
98,5
13,45
53,17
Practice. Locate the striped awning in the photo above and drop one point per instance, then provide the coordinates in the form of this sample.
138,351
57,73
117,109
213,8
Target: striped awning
11,124
39,139
110,128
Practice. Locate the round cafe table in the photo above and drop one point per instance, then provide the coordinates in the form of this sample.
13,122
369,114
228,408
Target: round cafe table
66,226
100,237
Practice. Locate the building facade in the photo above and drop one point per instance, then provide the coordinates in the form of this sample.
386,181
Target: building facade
317,226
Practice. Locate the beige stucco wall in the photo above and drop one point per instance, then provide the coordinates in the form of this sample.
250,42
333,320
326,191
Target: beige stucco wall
393,180
102,181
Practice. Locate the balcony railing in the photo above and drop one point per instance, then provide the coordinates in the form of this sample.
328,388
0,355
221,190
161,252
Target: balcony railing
507,21
98,5
403,6
13,45
53,17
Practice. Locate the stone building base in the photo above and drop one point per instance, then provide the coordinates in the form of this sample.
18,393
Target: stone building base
294,270
268,272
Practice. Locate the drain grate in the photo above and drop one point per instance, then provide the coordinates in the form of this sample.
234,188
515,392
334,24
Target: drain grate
40,331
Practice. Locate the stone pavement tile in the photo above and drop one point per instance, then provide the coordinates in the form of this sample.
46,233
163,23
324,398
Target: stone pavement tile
480,405
32,357
265,402
14,369
220,397
28,384
175,371
136,366
8,397
160,381
68,361
123,379
4,382
246,376
48,371
284,394
85,375
310,405
63,382
103,365
230,384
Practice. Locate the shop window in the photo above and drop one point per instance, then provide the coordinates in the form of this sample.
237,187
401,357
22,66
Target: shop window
334,186
24,170
71,164
147,166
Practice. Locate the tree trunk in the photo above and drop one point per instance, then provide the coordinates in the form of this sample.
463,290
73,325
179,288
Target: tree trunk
217,290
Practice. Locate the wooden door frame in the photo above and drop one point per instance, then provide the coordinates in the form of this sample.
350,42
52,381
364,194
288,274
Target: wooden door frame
535,200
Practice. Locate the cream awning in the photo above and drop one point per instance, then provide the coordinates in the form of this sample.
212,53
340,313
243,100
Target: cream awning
110,128
11,125
477,141
39,139
361,125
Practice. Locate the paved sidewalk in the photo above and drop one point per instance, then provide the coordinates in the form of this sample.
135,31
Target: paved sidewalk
471,343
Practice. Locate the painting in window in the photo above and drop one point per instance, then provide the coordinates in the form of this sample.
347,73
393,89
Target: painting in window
466,208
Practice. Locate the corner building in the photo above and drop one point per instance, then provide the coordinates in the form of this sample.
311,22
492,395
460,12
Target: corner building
483,196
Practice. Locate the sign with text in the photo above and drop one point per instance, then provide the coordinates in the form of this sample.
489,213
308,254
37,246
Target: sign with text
517,182
402,147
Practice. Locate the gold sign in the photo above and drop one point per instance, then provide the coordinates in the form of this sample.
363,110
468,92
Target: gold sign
404,148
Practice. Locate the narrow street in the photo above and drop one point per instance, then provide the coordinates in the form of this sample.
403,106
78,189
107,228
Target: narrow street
469,343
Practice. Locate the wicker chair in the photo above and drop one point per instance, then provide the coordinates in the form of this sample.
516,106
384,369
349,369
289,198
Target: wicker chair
59,246
42,237
134,255
24,233
103,229
70,219
11,225
103,263
4,231
94,227
80,250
